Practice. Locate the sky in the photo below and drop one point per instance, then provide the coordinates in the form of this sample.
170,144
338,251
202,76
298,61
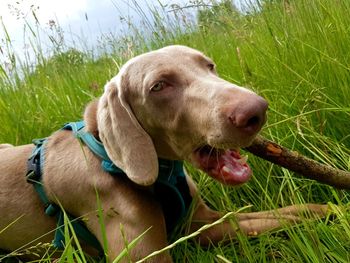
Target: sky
87,19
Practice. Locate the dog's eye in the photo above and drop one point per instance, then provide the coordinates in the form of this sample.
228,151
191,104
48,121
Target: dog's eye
158,86
211,66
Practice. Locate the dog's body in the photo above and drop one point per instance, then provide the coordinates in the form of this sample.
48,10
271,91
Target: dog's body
167,103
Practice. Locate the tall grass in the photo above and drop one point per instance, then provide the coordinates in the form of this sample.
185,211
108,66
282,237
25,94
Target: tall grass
294,53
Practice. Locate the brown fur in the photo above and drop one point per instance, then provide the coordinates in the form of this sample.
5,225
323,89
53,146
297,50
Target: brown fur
137,126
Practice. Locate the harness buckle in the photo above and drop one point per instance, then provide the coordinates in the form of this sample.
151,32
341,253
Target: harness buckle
33,168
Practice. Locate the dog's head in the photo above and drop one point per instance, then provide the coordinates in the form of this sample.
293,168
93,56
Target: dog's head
170,103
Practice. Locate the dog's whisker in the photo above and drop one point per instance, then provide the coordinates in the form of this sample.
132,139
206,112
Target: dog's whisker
121,175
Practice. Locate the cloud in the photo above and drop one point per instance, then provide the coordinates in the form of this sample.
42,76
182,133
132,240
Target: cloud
12,11
63,9
82,21
14,14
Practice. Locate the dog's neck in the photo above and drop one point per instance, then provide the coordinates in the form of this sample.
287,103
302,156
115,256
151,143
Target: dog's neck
90,118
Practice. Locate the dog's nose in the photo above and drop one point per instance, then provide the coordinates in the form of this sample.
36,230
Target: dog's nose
250,115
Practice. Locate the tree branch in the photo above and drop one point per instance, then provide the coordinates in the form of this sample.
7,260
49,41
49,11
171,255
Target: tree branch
298,163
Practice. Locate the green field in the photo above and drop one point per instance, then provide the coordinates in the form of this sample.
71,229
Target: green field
296,54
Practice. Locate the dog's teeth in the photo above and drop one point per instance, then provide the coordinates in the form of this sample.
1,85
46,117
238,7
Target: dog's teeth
226,169
243,159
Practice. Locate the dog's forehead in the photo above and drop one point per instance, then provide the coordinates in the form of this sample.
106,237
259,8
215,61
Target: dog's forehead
170,60
176,55
179,50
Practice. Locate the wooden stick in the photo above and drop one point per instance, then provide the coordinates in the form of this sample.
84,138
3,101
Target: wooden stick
298,163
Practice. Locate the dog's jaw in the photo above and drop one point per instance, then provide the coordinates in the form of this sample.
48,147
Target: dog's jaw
225,166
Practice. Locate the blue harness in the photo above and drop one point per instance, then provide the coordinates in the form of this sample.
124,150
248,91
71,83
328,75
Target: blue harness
170,189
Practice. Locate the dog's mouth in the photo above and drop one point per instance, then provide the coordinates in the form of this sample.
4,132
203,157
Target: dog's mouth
226,166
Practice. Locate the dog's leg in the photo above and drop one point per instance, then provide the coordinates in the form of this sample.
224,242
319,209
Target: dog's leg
251,224
125,223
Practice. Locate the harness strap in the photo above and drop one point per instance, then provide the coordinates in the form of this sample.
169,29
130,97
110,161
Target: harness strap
171,188
34,171
34,176
94,145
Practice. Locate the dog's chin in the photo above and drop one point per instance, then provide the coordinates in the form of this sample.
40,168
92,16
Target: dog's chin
225,166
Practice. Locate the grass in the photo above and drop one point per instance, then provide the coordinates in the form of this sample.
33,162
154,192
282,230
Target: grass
294,53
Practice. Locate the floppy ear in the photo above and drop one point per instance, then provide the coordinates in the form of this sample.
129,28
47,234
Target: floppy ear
126,142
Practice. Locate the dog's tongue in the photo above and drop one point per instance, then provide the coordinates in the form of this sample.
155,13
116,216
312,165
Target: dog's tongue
227,166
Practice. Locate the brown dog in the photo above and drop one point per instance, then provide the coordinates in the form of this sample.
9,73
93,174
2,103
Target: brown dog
168,104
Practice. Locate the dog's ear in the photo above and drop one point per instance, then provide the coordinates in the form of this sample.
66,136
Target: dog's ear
90,117
126,142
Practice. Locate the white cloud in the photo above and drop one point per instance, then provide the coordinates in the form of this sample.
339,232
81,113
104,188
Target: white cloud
62,9
87,18
44,9
15,13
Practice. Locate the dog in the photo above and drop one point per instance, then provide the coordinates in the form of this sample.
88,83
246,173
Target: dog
167,104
